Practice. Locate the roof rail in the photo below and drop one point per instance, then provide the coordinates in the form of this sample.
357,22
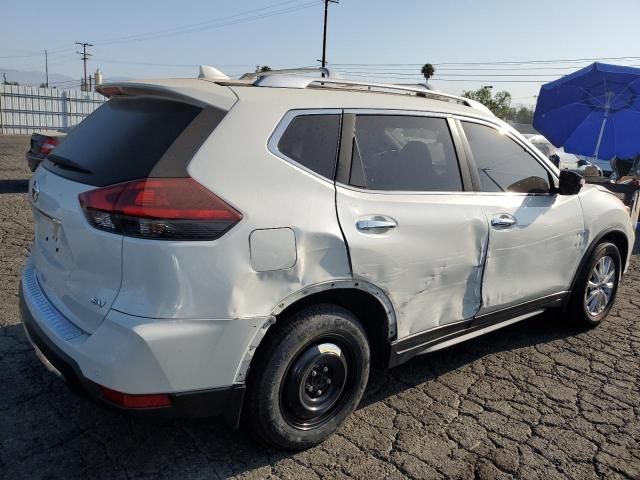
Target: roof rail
325,72
384,87
300,78
423,85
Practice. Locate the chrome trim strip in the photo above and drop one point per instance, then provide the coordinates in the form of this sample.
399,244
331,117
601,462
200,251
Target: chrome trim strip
43,310
45,214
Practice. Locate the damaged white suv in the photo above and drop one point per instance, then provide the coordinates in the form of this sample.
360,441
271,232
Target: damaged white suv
249,247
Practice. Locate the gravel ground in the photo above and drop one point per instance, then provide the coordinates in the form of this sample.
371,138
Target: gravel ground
535,400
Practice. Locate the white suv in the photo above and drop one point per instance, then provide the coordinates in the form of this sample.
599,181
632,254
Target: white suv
249,247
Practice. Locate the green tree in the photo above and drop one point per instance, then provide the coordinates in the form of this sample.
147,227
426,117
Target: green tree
427,71
499,103
524,115
263,68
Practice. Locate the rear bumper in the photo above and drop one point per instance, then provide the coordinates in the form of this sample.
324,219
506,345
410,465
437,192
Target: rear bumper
195,362
226,401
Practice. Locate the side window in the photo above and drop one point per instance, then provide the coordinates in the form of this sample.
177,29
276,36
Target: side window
312,141
399,152
503,165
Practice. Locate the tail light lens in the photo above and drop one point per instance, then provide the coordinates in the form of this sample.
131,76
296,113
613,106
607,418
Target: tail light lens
48,145
159,208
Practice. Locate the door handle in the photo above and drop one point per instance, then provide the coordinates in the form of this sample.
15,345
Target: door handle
503,221
376,225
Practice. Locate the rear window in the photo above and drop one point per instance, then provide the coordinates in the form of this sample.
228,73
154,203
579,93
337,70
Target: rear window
312,141
125,139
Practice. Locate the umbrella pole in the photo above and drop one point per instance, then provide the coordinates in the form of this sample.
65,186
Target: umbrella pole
607,107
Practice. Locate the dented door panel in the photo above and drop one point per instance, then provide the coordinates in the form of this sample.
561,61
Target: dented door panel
430,263
535,256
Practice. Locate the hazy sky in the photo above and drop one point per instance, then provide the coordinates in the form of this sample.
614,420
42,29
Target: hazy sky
388,36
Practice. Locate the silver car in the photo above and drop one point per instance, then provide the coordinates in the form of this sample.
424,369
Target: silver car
249,248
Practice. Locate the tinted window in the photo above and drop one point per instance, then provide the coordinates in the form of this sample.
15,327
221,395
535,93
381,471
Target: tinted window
503,165
123,140
396,152
312,141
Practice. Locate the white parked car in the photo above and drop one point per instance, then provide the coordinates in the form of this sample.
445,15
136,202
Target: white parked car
250,247
564,160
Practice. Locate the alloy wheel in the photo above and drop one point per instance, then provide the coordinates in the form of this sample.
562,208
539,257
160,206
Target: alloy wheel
600,286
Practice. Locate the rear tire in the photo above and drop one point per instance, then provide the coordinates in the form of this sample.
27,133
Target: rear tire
308,375
595,290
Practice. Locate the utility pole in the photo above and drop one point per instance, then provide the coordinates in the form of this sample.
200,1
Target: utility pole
324,35
46,68
85,56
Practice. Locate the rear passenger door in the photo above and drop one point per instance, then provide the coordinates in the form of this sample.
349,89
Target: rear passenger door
535,235
411,228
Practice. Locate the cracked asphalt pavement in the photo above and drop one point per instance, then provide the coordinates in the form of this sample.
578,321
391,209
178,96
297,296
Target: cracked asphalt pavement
539,399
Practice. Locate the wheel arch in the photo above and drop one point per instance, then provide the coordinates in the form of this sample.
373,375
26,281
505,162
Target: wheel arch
614,235
367,302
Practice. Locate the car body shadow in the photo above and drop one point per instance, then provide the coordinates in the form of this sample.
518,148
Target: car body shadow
14,186
539,329
137,443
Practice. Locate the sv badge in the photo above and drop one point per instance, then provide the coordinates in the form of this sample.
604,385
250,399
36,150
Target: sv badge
98,301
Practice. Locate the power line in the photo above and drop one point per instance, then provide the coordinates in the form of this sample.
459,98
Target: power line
418,79
194,25
246,16
212,25
492,75
501,68
503,62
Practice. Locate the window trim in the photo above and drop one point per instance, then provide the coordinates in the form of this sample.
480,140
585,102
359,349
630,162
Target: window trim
283,124
473,167
345,156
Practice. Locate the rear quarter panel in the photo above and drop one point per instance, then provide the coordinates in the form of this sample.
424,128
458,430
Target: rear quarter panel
216,279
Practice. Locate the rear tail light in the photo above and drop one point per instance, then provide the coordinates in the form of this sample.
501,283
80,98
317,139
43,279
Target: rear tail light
159,208
135,401
48,145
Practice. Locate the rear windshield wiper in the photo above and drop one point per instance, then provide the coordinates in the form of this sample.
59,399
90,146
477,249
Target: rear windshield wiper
67,164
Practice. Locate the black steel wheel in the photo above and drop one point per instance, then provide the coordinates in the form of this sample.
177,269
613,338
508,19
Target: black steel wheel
308,376
315,383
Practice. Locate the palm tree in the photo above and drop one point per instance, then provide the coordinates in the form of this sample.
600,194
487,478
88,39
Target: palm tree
427,71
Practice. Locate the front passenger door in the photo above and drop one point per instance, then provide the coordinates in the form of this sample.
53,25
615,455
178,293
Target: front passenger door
535,236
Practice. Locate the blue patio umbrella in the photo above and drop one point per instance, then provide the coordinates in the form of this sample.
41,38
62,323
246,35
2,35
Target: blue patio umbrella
593,112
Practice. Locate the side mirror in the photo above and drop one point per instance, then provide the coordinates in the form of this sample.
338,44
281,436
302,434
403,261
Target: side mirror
555,159
570,183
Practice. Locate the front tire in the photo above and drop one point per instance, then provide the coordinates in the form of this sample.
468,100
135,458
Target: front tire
308,376
595,290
